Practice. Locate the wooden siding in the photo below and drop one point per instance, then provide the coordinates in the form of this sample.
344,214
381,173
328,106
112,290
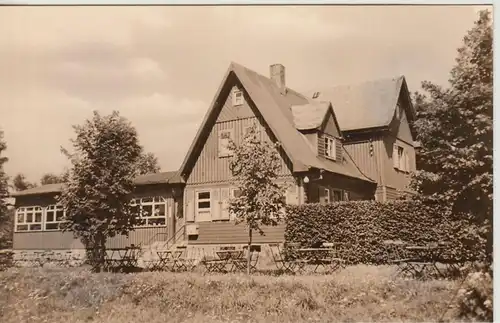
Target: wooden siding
229,233
230,112
393,177
321,146
330,128
370,165
399,127
210,168
64,240
45,240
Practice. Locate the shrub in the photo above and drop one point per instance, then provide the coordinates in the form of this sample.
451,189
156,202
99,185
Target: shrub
361,227
475,299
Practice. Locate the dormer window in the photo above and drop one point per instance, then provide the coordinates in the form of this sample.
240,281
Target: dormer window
237,97
330,148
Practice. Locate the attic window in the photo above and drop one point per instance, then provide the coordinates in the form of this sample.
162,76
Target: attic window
237,97
330,148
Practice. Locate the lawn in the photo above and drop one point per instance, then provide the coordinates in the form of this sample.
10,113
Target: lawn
361,293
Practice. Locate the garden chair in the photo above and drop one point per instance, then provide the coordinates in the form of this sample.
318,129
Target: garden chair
282,262
254,257
397,255
187,261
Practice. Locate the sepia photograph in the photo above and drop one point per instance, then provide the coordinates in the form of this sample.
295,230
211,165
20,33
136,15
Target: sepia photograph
246,163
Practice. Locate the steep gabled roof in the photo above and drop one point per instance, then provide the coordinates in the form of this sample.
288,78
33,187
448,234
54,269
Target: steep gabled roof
367,105
275,106
155,178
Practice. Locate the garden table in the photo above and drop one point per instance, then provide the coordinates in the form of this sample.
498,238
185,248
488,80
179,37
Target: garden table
324,257
231,258
423,260
169,259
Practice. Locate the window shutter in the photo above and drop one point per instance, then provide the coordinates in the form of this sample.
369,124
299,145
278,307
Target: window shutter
395,158
407,161
215,204
291,195
322,195
224,215
334,149
190,206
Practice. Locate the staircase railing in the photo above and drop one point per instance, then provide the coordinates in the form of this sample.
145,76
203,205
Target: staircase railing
180,233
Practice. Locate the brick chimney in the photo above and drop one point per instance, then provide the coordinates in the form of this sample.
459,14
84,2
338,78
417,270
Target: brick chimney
277,73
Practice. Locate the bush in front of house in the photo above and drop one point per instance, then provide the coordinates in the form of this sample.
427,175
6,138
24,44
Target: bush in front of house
362,227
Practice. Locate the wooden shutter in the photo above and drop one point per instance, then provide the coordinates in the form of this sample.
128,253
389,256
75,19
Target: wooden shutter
407,161
334,148
322,195
190,206
224,214
395,158
215,204
292,197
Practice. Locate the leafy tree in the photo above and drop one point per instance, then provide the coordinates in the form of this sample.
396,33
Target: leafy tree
147,164
96,196
255,166
5,216
20,183
50,178
455,127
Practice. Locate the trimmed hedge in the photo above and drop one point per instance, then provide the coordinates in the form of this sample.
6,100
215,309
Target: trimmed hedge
361,227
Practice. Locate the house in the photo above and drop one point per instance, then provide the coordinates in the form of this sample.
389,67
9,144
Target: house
381,142
325,156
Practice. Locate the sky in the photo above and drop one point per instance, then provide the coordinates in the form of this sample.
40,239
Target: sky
161,66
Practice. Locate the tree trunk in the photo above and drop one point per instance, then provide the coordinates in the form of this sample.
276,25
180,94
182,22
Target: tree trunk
249,254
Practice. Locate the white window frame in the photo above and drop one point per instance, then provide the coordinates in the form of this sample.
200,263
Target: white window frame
237,97
330,147
224,151
32,225
199,200
54,209
154,202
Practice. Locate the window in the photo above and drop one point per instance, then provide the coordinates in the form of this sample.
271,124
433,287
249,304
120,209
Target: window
203,204
54,216
235,193
400,158
29,218
327,195
225,137
152,211
337,195
330,148
237,97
